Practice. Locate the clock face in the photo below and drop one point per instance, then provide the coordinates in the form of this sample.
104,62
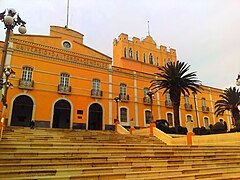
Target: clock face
66,44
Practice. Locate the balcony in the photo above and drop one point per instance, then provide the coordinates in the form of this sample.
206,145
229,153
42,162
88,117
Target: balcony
147,100
205,109
96,93
64,89
188,107
25,84
124,97
168,104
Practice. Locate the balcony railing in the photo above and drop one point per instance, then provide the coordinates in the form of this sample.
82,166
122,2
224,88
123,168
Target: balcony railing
96,93
124,97
25,84
64,89
147,100
168,104
188,107
205,109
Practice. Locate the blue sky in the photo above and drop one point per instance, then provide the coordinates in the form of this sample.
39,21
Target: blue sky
205,33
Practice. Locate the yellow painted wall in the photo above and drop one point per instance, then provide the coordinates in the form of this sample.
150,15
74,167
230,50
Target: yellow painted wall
48,58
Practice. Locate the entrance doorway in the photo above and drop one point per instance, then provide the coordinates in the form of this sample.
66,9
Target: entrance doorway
22,111
95,117
62,114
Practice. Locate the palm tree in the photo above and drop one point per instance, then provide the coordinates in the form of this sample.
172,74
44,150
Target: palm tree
175,79
229,102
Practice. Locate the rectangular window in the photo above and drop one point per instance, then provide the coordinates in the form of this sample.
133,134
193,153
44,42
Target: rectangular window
206,122
186,100
170,119
168,98
203,102
64,80
146,90
148,117
27,73
96,84
123,115
123,89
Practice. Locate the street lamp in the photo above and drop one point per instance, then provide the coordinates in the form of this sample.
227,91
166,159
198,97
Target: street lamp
151,94
116,99
10,21
195,103
238,80
7,84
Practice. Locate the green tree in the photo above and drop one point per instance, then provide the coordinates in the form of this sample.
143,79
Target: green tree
229,102
175,79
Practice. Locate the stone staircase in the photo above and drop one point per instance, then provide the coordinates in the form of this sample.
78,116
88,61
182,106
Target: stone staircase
79,154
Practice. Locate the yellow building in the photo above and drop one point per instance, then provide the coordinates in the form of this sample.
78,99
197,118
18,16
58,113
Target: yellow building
62,83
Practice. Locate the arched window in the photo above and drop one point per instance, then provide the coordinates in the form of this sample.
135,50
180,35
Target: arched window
130,53
137,55
147,116
125,52
144,57
189,118
123,114
206,122
170,119
150,58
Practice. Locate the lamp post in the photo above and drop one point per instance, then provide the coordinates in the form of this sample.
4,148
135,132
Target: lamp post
117,99
151,94
195,104
238,80
10,21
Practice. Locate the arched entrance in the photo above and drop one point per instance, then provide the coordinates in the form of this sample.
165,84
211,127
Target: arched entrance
22,111
95,117
62,114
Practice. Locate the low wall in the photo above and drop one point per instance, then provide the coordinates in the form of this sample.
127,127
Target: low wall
122,130
217,139
144,131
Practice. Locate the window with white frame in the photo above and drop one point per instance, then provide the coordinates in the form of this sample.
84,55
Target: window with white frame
130,53
206,122
170,119
146,90
168,97
123,114
147,116
64,79
203,102
96,84
150,58
189,118
123,89
125,52
27,73
186,98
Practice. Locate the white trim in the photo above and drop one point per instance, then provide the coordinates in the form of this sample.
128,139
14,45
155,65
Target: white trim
71,113
110,102
204,121
135,99
172,117
212,107
124,123
158,106
144,115
103,114
11,106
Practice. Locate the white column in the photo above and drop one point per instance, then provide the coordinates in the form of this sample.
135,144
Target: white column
110,95
158,106
212,106
135,98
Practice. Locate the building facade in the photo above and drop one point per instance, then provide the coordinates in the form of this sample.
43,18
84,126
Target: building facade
62,83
